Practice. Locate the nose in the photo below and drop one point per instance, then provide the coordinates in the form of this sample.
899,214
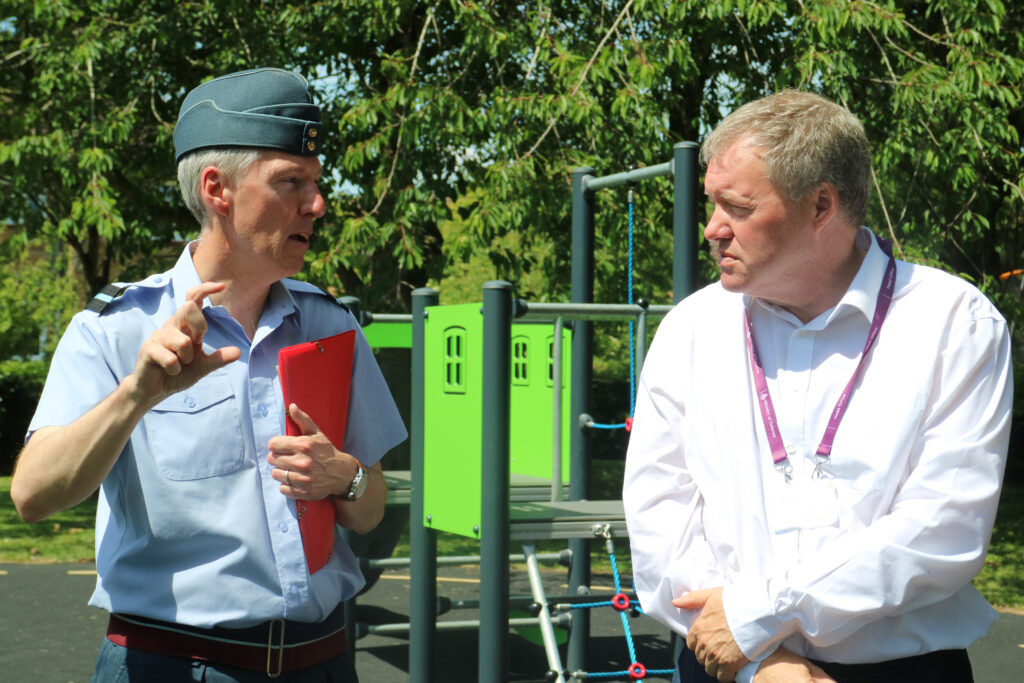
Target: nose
717,228
315,206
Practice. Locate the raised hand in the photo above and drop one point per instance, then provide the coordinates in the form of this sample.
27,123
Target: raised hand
172,359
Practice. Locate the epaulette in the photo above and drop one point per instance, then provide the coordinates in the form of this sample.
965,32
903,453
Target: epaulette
338,301
307,288
105,296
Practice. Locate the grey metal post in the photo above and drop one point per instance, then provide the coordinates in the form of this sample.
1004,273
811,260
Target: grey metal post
494,517
582,376
349,609
556,431
422,539
684,220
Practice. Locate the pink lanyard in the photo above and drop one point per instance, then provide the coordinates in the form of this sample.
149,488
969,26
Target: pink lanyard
764,399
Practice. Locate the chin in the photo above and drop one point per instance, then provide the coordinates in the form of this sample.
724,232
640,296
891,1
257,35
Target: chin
732,283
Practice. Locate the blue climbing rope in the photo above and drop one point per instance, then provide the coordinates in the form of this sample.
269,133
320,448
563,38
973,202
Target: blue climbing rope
636,671
629,300
622,613
598,425
632,331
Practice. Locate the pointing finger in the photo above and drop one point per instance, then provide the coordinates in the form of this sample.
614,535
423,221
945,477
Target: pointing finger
203,290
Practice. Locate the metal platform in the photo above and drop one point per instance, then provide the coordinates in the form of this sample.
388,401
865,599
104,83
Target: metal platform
522,488
566,519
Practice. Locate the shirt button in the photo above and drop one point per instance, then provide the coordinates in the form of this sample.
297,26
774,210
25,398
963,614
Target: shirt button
190,402
263,411
282,527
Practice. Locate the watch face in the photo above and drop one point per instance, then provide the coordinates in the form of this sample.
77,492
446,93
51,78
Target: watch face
358,485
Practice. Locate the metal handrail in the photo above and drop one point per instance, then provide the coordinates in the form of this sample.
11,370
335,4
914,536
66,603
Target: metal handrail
543,311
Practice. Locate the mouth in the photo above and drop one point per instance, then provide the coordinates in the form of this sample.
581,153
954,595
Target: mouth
721,256
300,237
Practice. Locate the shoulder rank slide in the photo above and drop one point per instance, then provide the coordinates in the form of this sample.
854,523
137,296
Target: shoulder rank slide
100,302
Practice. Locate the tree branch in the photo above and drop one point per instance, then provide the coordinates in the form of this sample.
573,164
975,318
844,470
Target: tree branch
583,76
248,52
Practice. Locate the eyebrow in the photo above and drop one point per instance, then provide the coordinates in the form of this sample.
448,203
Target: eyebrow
730,197
295,170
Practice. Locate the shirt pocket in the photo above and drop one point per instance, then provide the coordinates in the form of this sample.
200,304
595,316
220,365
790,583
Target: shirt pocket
196,433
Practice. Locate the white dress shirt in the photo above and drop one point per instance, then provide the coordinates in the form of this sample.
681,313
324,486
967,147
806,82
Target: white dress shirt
917,466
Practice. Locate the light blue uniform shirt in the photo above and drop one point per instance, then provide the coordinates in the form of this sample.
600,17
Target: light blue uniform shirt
190,527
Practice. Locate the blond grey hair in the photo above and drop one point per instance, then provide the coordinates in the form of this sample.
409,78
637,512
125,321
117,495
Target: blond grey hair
805,140
233,162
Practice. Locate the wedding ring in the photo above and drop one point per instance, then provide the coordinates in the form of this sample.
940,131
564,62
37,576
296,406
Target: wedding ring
287,480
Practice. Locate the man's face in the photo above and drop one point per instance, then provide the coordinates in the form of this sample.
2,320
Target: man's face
273,208
756,234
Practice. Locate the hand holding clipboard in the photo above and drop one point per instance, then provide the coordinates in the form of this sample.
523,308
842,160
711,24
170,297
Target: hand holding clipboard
316,376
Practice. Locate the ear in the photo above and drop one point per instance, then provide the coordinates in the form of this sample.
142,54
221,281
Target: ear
214,191
826,203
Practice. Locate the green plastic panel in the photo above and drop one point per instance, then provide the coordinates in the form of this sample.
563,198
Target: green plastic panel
452,347
532,400
453,389
388,335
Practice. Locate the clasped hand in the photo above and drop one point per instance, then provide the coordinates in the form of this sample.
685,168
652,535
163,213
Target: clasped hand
709,637
713,644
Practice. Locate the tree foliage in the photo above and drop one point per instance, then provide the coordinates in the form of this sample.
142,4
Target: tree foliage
455,124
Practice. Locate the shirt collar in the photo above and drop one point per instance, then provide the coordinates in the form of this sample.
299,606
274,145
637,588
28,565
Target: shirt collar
185,277
862,294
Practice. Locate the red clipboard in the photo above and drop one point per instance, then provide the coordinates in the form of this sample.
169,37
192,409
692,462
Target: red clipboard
317,377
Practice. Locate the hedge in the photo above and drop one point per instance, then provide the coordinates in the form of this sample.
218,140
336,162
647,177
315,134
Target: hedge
20,385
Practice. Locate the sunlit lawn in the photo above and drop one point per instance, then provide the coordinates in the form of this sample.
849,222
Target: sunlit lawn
67,536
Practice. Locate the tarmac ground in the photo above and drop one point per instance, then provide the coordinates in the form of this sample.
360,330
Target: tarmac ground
48,634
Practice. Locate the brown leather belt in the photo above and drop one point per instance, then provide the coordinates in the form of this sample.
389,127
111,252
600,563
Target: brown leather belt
276,646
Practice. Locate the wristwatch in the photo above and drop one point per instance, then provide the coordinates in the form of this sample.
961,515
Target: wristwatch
358,486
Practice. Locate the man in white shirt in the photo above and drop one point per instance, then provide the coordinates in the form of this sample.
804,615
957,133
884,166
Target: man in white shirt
819,437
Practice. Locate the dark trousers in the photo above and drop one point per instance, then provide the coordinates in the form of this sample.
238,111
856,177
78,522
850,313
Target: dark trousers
116,664
944,666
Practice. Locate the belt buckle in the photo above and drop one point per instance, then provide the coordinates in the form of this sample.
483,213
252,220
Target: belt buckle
271,673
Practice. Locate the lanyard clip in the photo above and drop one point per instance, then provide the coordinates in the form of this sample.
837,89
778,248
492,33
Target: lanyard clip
820,469
785,469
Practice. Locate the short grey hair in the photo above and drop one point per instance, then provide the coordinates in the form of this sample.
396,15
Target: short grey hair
805,140
233,163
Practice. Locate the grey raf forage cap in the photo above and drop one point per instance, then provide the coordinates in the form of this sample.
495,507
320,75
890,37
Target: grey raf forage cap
268,108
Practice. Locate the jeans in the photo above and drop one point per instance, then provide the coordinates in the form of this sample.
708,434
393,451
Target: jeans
116,664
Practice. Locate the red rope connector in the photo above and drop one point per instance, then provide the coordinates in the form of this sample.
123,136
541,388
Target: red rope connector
620,601
637,671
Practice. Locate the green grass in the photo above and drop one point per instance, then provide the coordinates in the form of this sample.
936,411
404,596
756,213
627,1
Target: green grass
1001,580
68,537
